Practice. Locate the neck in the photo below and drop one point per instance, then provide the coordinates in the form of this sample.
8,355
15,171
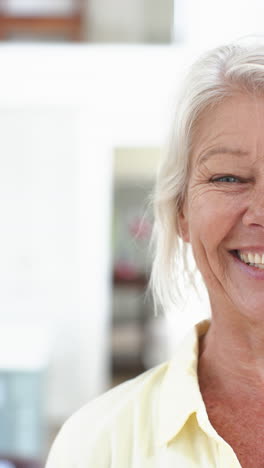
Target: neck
232,357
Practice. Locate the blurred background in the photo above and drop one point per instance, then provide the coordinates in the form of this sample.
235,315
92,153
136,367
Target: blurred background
87,94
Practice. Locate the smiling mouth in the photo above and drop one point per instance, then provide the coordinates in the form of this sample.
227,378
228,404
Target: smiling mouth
244,259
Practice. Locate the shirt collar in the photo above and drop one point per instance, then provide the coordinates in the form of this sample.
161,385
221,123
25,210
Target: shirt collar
180,393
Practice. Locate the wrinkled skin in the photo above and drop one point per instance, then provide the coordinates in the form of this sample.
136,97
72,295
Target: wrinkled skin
228,214
224,211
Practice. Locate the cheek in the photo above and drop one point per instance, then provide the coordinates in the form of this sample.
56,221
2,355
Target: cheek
207,238
213,218
211,224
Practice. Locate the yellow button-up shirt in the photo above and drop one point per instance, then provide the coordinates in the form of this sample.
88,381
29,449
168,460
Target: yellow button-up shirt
156,420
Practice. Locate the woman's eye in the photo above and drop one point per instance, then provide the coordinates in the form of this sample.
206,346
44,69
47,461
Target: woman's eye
228,179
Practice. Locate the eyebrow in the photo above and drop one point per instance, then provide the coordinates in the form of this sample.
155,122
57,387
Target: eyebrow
221,150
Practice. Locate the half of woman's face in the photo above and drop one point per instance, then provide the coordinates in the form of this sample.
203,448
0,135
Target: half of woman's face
223,215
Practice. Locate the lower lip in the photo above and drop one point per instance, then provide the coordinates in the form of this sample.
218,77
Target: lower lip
254,272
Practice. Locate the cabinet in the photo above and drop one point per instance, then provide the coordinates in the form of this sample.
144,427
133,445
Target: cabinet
132,308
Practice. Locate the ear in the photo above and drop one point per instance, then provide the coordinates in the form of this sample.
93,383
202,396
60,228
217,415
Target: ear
184,224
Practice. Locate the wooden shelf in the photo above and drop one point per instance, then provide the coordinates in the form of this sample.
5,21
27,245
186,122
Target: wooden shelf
69,25
140,281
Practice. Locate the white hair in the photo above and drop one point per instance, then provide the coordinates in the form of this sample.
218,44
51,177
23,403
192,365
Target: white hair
217,75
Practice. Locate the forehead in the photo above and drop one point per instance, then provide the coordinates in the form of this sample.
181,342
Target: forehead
235,126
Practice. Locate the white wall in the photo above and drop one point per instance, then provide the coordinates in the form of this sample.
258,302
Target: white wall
62,112
55,190
214,22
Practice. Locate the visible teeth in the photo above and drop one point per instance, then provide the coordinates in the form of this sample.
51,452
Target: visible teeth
251,258
243,257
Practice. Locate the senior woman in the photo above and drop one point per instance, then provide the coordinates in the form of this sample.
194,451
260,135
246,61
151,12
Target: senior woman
205,407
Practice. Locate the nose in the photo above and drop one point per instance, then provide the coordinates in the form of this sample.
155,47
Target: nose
254,214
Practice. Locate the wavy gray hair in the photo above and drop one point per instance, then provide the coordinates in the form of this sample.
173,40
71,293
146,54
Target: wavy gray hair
217,75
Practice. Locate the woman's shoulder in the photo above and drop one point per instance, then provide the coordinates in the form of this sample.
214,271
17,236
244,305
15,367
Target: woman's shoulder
123,394
104,409
93,424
